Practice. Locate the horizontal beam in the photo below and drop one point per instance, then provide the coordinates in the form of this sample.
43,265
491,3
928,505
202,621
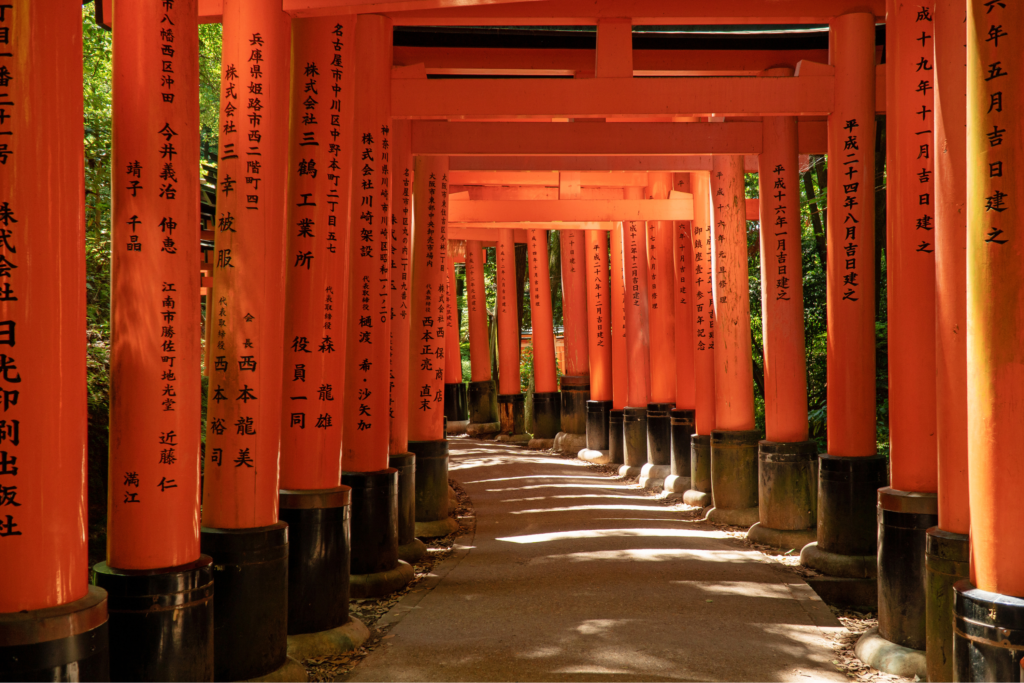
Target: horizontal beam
532,192
602,139
580,163
562,62
603,97
546,178
320,8
492,227
482,235
581,210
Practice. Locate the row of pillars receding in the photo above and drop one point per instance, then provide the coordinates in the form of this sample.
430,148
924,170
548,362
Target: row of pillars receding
331,313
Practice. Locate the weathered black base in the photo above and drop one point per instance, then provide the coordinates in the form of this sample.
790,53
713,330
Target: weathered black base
700,463
160,621
847,491
946,562
512,414
250,619
405,463
374,521
903,519
659,434
597,425
431,480
788,485
988,635
575,394
682,422
634,436
547,414
75,645
860,595
319,537
483,402
616,442
451,402
734,469
462,400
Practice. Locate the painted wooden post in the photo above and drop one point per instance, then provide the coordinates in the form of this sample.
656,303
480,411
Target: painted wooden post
600,339
511,405
638,349
483,391
576,380
547,404
661,304
453,353
620,358
682,415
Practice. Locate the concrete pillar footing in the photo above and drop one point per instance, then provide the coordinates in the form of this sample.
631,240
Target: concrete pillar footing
412,552
783,539
436,529
595,457
457,428
881,654
652,477
570,442
478,429
345,638
523,438
540,444
696,498
842,566
745,517
292,670
383,583
675,483
630,471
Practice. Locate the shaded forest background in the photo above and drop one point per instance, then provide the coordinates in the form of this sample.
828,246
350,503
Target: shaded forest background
97,49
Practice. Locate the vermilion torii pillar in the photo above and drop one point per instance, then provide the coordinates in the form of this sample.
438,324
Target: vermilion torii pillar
453,384
620,359
511,403
600,340
427,344
410,548
547,406
661,302
638,349
154,461
946,545
241,530
43,511
787,461
908,507
734,440
852,472
483,392
703,344
682,415
576,380
993,598
313,502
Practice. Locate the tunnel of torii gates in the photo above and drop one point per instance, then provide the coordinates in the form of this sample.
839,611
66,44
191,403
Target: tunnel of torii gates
353,175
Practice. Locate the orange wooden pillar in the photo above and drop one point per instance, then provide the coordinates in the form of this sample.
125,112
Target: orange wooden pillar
410,548
661,304
620,358
993,595
638,350
682,415
946,547
703,343
483,392
575,382
511,402
312,501
43,513
787,461
453,384
600,339
155,383
243,430
547,405
427,345
909,506
850,474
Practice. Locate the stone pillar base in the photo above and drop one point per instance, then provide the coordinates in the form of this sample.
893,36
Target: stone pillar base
734,475
743,517
595,457
431,479
682,426
480,430
457,428
336,641
659,434
700,470
634,436
512,414
575,394
291,671
676,484
988,634
567,442
652,477
483,402
597,425
515,439
414,551
780,538
884,655
379,584
63,643
787,494
540,444
835,564
547,414
616,445
436,529
374,521
947,561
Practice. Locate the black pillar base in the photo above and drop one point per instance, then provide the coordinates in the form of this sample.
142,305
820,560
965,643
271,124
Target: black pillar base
575,394
250,622
462,400
700,471
903,519
947,560
659,434
847,491
483,402
597,425
682,425
988,635
451,402
616,442
734,479
319,536
634,435
405,463
787,494
74,645
161,621
431,479
547,414
374,520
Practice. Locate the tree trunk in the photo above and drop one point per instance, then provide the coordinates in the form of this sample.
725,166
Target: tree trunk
816,223
880,206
